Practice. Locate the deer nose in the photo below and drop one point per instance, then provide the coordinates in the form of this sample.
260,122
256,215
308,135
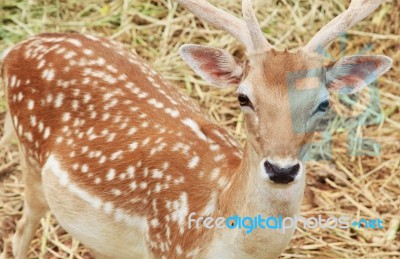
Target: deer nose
279,174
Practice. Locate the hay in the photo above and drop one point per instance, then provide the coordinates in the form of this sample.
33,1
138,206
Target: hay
366,186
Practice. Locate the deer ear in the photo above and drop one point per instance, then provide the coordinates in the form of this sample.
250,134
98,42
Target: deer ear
351,74
216,66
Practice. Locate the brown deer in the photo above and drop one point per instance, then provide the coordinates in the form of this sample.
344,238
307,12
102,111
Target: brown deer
121,158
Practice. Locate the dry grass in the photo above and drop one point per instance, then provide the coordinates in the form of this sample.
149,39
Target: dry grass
360,187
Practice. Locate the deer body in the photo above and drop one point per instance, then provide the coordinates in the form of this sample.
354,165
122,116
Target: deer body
122,159
95,137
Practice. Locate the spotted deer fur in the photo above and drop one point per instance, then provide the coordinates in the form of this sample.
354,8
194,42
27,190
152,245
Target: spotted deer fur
121,158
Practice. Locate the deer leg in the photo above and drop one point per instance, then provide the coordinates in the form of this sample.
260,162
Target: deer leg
8,132
35,206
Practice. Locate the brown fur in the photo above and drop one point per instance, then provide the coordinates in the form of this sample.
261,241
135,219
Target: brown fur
176,179
133,153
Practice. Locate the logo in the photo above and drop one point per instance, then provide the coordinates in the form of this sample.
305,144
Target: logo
280,223
347,114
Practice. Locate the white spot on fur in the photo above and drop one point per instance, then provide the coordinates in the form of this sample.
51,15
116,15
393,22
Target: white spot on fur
132,131
145,141
154,223
33,120
29,136
214,147
20,96
178,249
194,127
41,64
143,185
157,174
85,168
116,192
194,162
219,157
66,116
48,74
102,159
69,54
74,42
59,100
133,185
75,105
31,104
97,180
173,113
155,103
131,171
116,155
215,173
46,133
111,174
133,146
88,52
145,124
13,81
41,127
180,211
210,207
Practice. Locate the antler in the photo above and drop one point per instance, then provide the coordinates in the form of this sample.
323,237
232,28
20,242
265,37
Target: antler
248,32
357,11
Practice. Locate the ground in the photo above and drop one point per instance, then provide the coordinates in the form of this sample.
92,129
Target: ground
365,186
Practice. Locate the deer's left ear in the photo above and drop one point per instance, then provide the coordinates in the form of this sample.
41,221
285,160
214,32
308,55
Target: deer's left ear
351,74
216,66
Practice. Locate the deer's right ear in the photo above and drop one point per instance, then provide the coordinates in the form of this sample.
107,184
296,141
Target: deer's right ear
216,66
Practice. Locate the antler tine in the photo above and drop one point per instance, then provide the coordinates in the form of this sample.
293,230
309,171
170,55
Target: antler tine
357,11
218,18
258,40
248,32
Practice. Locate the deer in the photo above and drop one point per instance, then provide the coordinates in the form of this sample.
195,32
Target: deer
121,158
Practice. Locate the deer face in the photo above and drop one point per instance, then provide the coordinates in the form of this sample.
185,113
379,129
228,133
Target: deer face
283,96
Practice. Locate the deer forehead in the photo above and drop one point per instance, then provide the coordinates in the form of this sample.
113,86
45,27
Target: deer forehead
274,69
275,77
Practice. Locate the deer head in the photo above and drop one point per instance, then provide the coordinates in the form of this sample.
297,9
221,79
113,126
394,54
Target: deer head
283,95
104,137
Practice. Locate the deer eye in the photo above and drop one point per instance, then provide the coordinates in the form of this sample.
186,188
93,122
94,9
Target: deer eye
244,100
323,106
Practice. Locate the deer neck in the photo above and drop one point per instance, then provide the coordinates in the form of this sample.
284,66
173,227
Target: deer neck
249,194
